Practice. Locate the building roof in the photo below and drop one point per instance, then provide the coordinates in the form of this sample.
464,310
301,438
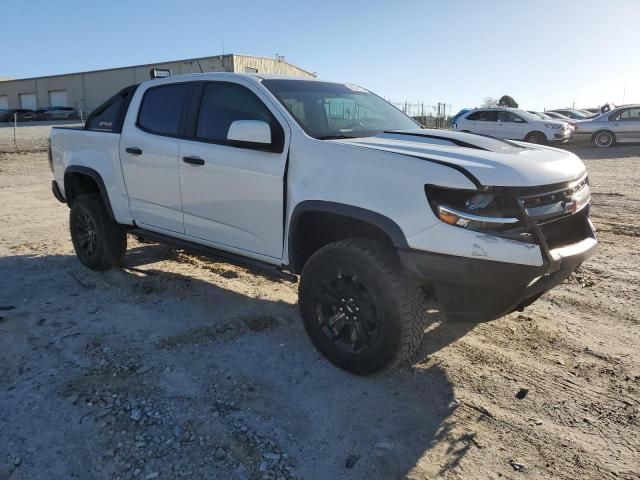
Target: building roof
195,59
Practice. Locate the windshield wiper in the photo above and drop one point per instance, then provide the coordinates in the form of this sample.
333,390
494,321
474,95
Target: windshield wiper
334,137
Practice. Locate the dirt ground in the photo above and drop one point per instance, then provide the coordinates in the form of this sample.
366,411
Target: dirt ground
177,367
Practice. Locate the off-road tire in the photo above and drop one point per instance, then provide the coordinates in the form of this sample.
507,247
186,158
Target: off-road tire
399,302
109,238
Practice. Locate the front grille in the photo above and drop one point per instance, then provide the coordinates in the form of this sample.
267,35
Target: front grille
567,230
540,199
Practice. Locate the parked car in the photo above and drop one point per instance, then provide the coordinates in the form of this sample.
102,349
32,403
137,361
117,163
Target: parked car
620,125
41,114
587,113
570,113
56,113
459,114
5,115
327,181
512,124
559,116
22,114
545,116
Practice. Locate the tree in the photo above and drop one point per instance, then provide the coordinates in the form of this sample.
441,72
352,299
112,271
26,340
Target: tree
489,102
507,101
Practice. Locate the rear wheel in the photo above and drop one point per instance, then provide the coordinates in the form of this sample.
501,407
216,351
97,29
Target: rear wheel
359,308
99,242
604,139
536,137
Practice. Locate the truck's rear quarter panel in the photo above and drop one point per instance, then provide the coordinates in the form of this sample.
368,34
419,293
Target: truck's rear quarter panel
98,151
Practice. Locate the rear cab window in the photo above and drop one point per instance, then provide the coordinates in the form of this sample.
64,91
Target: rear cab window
109,116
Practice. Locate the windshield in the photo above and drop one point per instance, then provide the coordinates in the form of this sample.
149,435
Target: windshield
543,116
532,117
579,114
328,110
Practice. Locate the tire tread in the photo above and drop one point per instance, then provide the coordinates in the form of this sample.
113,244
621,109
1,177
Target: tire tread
114,244
410,298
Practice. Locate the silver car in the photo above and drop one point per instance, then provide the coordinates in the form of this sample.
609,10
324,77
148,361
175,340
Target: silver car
620,125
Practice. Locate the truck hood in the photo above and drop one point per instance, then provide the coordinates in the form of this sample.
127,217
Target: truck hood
491,161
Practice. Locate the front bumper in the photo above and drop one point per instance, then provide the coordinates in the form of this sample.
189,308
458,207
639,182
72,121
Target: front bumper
477,290
561,136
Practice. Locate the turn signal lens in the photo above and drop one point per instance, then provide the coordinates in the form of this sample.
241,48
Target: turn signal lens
448,217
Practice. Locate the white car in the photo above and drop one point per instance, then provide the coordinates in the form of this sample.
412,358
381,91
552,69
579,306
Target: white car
328,182
512,124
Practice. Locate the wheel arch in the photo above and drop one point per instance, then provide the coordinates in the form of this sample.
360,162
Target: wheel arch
533,132
315,223
79,180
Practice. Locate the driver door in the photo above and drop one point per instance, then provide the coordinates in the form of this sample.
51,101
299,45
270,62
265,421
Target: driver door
232,194
510,126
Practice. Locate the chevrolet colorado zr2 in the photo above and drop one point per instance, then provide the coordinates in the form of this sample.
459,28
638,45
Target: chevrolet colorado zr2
329,183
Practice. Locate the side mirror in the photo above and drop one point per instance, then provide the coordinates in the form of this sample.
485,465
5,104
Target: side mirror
252,131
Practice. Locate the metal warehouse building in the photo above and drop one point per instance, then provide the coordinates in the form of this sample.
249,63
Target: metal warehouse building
86,90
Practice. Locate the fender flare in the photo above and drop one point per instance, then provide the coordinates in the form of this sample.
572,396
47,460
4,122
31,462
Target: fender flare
95,176
382,222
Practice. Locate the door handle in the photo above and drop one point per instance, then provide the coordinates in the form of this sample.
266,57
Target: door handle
193,160
133,150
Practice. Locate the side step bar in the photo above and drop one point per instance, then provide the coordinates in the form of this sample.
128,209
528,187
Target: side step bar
216,254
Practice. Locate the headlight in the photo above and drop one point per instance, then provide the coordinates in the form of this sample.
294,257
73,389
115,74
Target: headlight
553,125
473,210
472,222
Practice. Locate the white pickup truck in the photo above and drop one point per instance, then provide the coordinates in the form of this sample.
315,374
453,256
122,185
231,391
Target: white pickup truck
329,182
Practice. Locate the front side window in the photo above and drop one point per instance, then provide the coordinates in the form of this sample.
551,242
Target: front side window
161,108
484,116
222,104
509,117
328,110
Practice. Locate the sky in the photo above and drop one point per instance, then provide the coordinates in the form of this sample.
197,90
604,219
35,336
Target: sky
544,53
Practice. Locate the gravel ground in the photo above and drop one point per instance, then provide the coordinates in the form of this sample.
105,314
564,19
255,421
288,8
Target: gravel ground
177,367
29,136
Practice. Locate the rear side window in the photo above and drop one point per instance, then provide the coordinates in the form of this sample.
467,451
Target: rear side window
223,103
629,114
161,109
109,116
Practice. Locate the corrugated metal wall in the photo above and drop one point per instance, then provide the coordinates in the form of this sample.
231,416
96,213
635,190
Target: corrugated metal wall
87,90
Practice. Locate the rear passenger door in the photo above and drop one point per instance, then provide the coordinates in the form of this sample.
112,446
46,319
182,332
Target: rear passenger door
232,195
149,152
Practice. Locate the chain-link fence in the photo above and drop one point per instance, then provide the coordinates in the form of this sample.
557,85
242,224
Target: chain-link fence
428,115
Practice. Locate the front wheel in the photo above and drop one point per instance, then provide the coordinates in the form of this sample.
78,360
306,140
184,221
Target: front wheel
536,137
99,242
360,309
604,139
